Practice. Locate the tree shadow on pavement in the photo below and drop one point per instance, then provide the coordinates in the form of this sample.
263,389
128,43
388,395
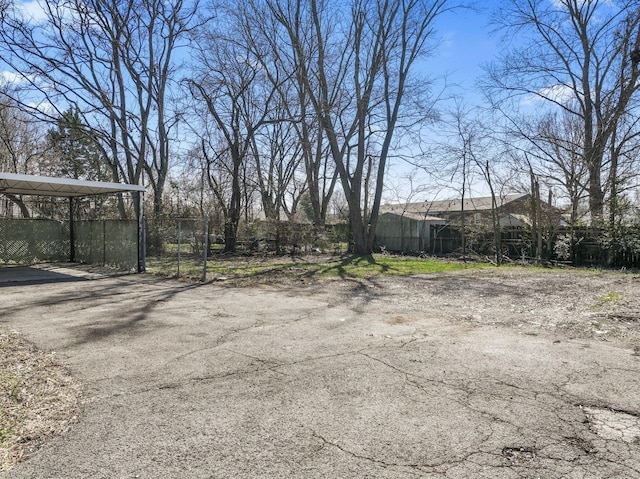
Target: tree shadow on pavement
130,318
120,305
352,267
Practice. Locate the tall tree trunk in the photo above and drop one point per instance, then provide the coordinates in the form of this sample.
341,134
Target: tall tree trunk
19,202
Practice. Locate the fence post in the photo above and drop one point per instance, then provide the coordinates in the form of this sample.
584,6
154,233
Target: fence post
142,234
72,235
179,241
206,249
104,242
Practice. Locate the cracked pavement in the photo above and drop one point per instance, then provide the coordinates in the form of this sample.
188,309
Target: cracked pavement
475,375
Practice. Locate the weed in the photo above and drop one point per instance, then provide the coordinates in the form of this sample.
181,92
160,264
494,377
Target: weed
610,298
12,385
5,434
606,299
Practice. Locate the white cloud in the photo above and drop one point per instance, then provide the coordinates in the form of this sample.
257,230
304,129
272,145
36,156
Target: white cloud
32,10
44,107
13,78
562,94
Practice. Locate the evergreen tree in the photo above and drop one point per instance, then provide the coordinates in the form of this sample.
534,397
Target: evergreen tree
75,149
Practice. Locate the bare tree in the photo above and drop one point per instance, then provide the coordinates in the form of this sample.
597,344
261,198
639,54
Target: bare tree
112,61
238,99
21,147
354,62
455,167
278,156
269,41
558,160
476,150
552,153
578,57
276,148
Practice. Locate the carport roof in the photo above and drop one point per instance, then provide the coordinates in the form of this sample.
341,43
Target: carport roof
12,183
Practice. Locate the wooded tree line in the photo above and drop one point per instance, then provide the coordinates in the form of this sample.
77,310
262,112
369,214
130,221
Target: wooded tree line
561,114
291,103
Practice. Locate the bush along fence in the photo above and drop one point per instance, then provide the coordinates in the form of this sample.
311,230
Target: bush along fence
586,246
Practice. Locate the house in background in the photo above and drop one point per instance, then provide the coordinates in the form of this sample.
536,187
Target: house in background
406,231
415,226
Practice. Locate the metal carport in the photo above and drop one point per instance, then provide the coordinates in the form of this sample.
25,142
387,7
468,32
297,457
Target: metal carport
17,184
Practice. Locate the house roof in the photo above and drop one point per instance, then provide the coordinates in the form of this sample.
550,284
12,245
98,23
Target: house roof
452,205
12,183
415,216
514,219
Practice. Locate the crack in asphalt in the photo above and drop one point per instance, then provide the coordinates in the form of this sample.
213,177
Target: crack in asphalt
408,375
379,462
582,448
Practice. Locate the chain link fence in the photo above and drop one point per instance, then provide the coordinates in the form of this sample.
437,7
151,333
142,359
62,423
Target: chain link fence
107,243
100,242
29,241
96,235
184,247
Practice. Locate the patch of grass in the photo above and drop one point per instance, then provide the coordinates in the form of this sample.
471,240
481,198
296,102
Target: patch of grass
376,265
168,265
11,386
607,299
257,268
5,433
251,268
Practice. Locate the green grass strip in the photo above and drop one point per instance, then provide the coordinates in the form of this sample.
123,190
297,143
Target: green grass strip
348,267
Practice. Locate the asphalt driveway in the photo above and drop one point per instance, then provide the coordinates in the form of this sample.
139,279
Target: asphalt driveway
330,380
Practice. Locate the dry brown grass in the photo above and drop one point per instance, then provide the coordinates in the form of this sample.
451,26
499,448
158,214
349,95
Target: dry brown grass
38,398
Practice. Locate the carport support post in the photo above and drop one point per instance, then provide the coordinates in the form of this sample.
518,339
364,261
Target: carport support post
141,236
72,235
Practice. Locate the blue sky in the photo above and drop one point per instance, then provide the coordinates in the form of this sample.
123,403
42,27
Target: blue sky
466,44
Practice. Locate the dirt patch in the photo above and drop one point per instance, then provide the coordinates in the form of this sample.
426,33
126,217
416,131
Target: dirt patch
400,320
566,303
38,399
